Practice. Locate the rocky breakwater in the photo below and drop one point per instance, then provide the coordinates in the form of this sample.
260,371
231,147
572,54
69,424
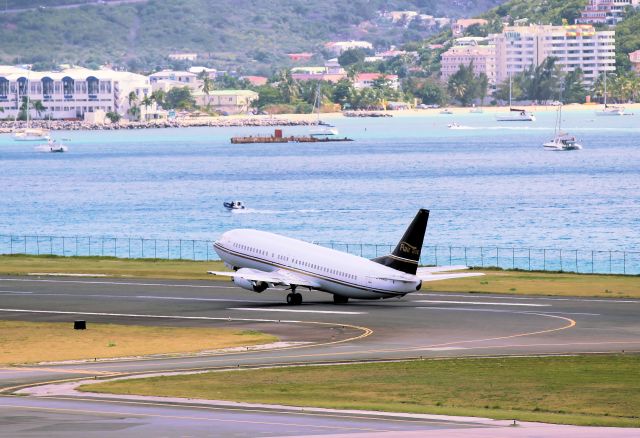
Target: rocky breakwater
219,122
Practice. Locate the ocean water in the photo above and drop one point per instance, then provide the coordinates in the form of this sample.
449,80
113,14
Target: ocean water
488,184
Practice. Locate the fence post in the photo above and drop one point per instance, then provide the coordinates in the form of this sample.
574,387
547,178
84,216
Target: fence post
435,250
115,247
180,252
450,262
25,244
63,246
207,244
577,269
142,246
10,244
361,250
481,257
544,259
529,258
465,256
592,262
129,247
561,261
624,262
38,244
168,253
155,248
76,246
102,246
193,248
513,258
497,257
609,262
347,248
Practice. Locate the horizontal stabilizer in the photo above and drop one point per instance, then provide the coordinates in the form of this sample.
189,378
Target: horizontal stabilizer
437,277
434,269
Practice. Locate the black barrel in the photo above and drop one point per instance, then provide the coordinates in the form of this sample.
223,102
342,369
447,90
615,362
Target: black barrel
80,325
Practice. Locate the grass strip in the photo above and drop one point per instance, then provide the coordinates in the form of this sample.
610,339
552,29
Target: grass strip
29,342
583,390
495,281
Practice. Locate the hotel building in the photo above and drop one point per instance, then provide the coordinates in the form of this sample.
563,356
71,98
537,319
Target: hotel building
605,11
483,58
575,46
74,93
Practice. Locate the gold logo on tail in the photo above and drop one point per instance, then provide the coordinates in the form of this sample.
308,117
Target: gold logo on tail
408,249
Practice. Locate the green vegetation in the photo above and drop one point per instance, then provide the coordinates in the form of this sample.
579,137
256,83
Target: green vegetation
232,34
142,268
495,281
542,283
29,342
543,11
589,390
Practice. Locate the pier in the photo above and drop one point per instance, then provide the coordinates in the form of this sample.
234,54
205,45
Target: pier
277,137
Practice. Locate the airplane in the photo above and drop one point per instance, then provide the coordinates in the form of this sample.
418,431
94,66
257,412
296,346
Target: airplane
261,260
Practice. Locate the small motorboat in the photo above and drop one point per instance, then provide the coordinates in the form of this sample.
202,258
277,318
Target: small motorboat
234,205
454,125
52,146
446,111
516,115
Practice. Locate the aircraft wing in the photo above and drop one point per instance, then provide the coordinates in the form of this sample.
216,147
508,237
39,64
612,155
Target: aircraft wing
433,273
279,277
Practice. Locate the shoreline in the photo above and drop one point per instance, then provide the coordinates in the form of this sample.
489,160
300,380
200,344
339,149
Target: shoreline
7,127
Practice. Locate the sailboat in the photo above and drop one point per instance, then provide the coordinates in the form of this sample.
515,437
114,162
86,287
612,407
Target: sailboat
321,129
30,134
609,110
515,114
562,141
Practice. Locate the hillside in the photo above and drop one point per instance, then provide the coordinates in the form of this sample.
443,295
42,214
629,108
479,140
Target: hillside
252,35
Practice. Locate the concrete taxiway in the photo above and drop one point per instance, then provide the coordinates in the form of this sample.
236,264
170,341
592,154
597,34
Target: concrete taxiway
420,325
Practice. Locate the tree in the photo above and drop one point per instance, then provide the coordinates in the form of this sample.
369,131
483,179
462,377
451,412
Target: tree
147,102
158,96
132,98
289,87
267,95
463,85
180,98
540,83
432,93
351,56
38,106
207,85
342,92
113,116
573,88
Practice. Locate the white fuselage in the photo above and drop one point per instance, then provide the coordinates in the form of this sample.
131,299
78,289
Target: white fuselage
333,271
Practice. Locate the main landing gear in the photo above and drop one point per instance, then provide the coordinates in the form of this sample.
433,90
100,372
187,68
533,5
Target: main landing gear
294,298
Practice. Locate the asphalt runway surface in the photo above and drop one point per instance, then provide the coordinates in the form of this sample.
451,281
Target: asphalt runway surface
419,325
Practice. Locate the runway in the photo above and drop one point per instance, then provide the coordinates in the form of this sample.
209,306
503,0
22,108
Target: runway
420,325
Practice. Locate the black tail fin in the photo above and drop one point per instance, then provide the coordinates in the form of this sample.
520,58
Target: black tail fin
406,256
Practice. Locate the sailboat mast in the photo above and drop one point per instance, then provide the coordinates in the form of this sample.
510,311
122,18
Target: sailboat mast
509,90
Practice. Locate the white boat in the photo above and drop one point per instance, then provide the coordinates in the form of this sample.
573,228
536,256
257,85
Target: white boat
476,110
234,205
52,146
28,133
446,111
562,141
31,134
514,114
323,131
609,110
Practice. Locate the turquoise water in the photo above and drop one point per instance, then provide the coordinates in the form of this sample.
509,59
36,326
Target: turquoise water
491,184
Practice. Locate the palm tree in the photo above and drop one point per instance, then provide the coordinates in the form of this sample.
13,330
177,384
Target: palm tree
147,102
132,97
158,96
38,106
207,87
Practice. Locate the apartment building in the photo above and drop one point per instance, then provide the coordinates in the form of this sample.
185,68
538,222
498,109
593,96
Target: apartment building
574,46
609,12
483,58
71,93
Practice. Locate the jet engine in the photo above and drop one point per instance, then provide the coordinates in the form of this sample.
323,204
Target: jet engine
254,286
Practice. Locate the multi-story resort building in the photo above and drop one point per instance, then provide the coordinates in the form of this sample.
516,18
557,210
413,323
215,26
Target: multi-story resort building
483,58
575,46
605,11
73,93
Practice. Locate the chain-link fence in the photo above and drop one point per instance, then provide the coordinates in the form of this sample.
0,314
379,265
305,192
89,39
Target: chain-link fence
538,259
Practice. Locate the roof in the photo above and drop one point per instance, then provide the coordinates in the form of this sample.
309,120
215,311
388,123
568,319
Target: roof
76,73
373,76
248,93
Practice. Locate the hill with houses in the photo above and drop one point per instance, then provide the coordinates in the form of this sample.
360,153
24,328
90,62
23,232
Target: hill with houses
245,35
